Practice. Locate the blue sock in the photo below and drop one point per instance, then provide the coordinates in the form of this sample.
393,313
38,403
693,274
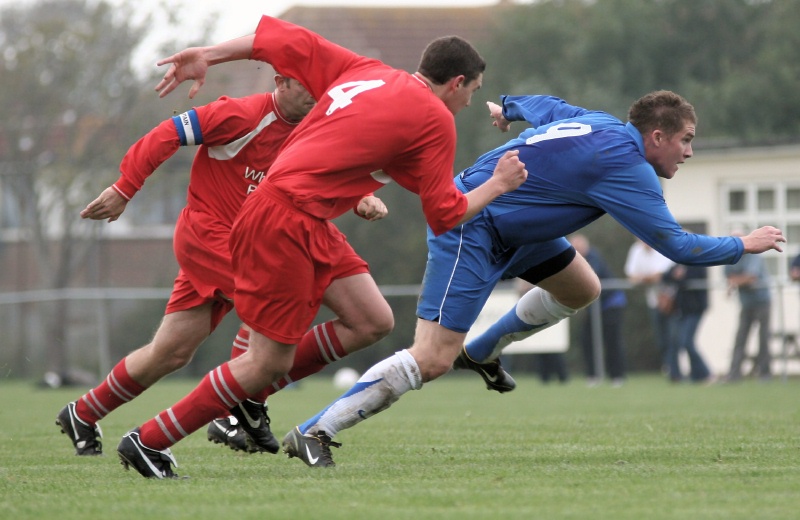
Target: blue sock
481,348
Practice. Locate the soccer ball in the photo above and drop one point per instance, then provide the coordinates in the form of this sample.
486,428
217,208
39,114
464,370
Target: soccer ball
345,377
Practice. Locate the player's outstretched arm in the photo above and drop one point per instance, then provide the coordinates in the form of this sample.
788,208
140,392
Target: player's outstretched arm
508,175
108,205
193,63
763,239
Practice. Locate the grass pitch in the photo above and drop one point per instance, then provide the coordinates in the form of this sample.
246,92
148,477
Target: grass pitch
453,450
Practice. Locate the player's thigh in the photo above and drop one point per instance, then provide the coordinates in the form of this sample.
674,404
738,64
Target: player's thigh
358,303
575,286
184,330
462,271
537,261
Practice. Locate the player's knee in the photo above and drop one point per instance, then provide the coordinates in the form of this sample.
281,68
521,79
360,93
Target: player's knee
591,292
269,362
440,368
381,326
374,327
275,374
582,295
179,359
434,366
167,356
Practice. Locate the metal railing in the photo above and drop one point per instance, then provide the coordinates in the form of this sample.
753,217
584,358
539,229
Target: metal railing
787,336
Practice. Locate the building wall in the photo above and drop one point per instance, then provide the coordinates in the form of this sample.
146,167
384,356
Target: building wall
695,194
143,262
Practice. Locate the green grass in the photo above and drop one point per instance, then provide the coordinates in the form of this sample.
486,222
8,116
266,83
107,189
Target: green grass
453,450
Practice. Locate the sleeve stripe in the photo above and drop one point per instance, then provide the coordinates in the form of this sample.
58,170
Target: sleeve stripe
198,134
188,127
119,190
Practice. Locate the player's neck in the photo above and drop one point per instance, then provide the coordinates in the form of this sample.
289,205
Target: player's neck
281,111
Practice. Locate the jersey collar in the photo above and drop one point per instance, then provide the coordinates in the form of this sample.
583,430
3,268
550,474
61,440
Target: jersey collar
637,136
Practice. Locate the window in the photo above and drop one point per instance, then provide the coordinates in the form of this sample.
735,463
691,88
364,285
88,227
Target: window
766,199
750,206
736,201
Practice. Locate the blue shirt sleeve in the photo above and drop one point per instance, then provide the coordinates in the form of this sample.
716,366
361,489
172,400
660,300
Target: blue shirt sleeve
634,198
538,110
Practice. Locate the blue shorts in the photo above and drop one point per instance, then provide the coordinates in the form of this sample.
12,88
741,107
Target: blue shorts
465,264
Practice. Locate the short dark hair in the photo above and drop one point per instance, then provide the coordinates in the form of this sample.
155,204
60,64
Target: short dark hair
663,110
450,56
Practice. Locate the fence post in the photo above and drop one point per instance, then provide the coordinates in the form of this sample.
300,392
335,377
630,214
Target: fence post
596,323
103,337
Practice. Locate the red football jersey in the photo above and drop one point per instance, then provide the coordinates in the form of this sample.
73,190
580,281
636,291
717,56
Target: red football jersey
369,119
238,140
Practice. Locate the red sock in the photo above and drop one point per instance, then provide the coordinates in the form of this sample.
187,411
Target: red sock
216,393
318,348
116,389
240,343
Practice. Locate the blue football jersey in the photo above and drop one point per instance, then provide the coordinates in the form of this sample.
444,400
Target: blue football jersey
581,165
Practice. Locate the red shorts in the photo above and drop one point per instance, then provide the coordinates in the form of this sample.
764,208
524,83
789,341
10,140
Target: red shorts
201,244
185,297
283,261
202,249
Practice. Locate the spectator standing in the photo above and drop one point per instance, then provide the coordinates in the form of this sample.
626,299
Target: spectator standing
750,278
794,270
612,310
691,302
645,267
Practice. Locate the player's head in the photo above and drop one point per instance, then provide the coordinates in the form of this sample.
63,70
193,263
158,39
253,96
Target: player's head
292,98
667,123
453,64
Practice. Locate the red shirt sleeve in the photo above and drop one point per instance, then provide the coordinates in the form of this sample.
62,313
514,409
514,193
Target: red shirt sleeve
302,54
430,173
145,156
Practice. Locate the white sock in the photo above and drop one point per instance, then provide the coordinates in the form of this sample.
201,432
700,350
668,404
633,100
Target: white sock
540,310
375,391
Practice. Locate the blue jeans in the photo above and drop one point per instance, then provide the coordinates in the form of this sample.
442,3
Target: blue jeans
686,329
663,329
749,316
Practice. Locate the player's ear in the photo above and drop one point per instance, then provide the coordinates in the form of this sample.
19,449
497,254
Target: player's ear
458,82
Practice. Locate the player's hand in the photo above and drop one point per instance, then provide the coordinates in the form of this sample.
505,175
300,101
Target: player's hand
510,172
763,239
189,64
109,205
372,208
496,113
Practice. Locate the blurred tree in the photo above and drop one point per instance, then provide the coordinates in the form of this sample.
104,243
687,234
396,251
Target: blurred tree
69,95
735,60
